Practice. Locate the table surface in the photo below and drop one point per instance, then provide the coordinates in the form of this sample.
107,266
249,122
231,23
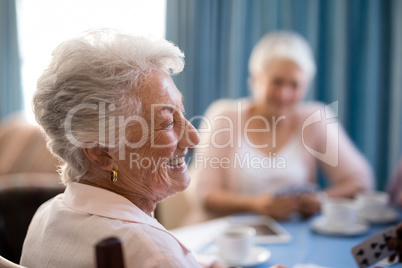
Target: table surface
305,247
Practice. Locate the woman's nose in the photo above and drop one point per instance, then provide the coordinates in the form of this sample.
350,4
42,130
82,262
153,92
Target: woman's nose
285,93
190,138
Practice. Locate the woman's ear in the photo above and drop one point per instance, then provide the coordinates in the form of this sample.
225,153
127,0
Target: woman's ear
99,157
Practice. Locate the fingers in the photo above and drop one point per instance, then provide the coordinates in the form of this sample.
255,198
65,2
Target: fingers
308,205
306,215
393,243
396,244
281,217
392,258
281,214
282,208
289,202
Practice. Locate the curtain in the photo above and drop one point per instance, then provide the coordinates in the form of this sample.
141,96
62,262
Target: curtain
358,51
10,74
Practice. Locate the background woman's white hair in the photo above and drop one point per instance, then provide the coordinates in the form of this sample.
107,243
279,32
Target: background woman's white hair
102,68
283,45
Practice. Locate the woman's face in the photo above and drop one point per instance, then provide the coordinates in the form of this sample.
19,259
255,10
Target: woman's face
157,168
280,87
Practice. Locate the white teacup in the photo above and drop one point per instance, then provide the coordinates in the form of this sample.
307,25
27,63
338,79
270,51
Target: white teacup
372,204
235,242
340,212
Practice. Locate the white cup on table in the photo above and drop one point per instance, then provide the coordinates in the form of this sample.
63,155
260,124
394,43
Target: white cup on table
235,242
372,204
340,213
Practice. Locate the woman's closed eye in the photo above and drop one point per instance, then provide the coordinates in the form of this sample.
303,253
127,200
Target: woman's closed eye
169,125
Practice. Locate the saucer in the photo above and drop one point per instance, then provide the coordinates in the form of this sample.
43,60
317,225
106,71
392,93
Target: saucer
387,216
320,225
257,255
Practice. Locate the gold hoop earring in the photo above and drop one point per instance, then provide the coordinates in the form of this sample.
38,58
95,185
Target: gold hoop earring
113,177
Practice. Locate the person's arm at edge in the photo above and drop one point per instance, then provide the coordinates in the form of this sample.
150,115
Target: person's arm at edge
352,174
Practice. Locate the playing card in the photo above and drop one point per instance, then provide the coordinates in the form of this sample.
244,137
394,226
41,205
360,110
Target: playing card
373,249
296,190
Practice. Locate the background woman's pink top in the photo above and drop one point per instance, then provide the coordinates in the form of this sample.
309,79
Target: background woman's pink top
246,170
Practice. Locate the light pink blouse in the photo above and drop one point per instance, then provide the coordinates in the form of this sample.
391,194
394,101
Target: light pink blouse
226,159
65,229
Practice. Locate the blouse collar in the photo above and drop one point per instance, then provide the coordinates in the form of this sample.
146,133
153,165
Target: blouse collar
97,201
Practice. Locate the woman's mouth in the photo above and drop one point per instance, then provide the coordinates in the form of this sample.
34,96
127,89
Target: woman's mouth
176,162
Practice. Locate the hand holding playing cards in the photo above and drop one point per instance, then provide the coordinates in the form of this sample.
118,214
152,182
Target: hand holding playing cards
280,208
306,197
395,243
378,247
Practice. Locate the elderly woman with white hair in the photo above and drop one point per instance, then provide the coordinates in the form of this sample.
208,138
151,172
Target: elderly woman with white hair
112,114
261,154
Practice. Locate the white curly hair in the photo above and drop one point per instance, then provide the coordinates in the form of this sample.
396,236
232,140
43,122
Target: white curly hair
101,67
282,45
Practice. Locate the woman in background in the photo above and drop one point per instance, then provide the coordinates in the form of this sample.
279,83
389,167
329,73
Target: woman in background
261,155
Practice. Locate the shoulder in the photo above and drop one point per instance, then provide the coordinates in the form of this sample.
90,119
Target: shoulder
313,119
155,248
316,113
142,236
306,109
142,243
50,206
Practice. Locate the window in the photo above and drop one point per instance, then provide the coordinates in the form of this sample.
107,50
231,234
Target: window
43,24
